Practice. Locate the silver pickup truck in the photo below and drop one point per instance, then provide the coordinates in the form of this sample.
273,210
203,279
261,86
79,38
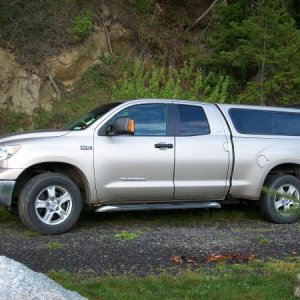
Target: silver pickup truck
154,154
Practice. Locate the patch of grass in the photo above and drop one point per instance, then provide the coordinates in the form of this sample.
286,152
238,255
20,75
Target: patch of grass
7,217
263,241
31,234
127,235
55,246
83,26
12,121
288,265
253,281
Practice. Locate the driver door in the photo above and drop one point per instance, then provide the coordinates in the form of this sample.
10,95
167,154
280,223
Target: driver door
138,167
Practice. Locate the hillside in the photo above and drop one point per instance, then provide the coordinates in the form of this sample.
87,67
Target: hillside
59,59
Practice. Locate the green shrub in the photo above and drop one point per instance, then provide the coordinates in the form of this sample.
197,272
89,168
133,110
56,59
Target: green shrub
144,6
83,26
186,82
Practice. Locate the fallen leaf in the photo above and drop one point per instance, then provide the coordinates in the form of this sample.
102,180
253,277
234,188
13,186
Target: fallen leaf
225,257
191,260
177,259
219,257
249,257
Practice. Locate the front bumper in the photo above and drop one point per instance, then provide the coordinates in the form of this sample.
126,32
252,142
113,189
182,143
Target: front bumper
6,191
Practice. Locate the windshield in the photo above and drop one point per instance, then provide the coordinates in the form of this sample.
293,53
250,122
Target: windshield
88,119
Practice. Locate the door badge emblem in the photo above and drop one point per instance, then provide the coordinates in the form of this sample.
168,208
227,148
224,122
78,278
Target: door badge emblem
86,147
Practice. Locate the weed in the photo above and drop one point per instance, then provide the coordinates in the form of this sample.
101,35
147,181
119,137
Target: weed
55,246
83,26
263,241
144,6
126,235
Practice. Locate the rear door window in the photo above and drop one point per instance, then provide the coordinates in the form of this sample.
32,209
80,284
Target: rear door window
192,121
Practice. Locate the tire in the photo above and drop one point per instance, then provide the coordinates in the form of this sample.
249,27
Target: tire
50,203
276,208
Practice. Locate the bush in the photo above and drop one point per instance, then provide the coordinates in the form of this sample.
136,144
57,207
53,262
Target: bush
186,82
144,6
83,26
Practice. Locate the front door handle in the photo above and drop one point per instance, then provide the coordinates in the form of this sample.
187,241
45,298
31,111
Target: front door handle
163,146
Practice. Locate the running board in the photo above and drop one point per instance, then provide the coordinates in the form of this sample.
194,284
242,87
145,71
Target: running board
157,206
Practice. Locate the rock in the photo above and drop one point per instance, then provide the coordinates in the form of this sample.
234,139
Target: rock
24,91
117,31
18,282
297,286
106,13
20,90
68,67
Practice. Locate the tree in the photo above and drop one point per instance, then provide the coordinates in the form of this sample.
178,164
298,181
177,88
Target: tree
258,44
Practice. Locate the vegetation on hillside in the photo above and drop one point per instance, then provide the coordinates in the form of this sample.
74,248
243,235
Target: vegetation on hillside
241,51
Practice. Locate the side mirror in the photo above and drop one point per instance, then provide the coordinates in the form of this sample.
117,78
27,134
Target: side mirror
121,125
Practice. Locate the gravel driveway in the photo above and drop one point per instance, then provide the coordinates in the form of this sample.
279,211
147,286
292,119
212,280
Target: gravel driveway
101,244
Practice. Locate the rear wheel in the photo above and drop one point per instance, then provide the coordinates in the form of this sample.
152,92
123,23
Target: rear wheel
280,199
50,203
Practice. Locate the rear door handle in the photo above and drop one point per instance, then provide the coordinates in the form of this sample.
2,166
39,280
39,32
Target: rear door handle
163,146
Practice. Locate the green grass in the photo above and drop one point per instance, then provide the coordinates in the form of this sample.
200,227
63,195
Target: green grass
7,218
55,246
127,235
263,241
31,234
273,280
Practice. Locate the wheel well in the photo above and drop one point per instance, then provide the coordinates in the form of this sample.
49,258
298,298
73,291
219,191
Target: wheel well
69,170
290,169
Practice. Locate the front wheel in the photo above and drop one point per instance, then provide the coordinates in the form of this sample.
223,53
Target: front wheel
279,202
50,203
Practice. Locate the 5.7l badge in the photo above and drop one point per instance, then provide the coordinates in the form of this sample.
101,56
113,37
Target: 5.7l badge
85,147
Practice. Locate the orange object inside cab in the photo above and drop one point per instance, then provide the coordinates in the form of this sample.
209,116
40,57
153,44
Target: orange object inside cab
131,126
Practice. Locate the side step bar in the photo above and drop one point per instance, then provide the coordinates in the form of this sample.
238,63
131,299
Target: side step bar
157,206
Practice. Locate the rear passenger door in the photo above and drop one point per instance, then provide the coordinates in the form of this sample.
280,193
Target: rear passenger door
201,156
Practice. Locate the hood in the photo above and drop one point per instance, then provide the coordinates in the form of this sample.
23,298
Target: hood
31,135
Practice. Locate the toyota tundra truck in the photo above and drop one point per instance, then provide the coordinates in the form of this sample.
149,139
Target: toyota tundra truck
153,154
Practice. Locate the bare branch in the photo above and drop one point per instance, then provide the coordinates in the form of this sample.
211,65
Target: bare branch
106,32
204,14
53,82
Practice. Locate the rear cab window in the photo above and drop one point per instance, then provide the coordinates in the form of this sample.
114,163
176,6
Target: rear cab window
265,122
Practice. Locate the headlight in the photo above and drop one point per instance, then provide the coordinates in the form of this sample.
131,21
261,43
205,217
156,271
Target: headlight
7,151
